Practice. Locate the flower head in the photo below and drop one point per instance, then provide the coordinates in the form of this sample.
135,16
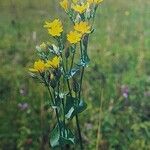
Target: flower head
90,1
80,8
74,37
98,1
55,28
39,66
75,1
64,4
82,27
54,63
94,1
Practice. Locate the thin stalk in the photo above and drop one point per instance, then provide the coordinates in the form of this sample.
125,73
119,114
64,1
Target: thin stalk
51,96
79,132
56,111
66,63
46,84
57,116
93,19
81,50
63,104
53,102
81,79
99,134
78,129
68,84
58,91
77,119
79,97
72,61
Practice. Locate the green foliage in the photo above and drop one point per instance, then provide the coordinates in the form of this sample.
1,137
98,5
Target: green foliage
74,107
66,137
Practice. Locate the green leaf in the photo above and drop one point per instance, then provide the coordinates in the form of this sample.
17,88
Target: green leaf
84,61
66,136
73,72
69,108
57,103
73,107
55,136
70,113
81,107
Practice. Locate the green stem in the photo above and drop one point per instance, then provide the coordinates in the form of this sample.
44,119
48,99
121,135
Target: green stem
68,84
56,111
63,105
79,97
81,50
81,79
66,63
78,128
57,116
77,119
72,61
79,132
50,95
99,134
69,88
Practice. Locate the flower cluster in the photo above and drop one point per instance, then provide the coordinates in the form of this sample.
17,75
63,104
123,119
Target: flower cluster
80,8
62,63
40,66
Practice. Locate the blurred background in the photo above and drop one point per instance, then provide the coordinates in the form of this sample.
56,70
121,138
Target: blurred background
117,79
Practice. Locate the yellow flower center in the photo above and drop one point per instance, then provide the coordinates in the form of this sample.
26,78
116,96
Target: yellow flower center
39,66
54,63
82,27
55,28
74,37
80,8
64,4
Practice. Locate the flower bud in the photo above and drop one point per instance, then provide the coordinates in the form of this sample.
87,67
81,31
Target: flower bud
67,52
75,85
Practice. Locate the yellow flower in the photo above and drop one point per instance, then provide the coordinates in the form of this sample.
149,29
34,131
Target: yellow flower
90,1
82,27
55,28
54,63
98,1
64,4
94,1
74,37
80,8
39,66
75,1
43,45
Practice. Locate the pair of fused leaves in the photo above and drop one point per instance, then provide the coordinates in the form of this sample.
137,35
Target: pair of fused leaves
84,61
61,135
74,107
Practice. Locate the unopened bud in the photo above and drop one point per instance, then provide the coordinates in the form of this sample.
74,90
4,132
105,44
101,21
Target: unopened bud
67,52
75,85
